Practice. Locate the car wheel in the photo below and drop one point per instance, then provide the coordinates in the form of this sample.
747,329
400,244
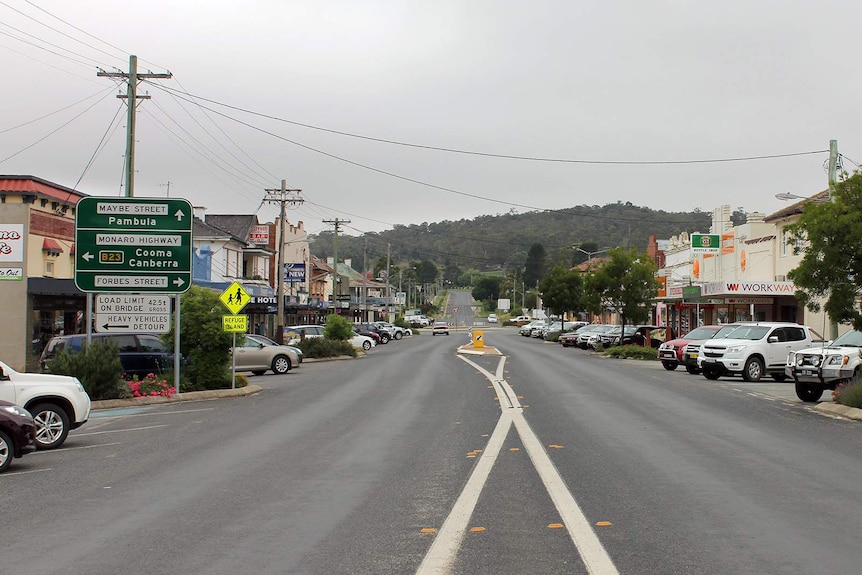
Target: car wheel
259,372
809,392
711,373
753,370
779,376
692,369
281,364
52,425
384,338
366,345
7,451
669,365
398,335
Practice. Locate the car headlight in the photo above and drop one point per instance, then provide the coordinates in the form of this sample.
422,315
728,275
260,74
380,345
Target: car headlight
16,410
736,348
80,387
837,360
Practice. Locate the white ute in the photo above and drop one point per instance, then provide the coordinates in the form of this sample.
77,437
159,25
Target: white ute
754,350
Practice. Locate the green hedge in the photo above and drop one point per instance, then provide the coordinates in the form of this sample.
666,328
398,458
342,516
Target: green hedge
632,352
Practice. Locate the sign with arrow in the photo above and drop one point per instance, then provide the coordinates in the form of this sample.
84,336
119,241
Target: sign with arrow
139,313
133,245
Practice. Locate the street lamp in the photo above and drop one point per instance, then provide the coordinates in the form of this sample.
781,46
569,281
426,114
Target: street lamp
590,254
786,196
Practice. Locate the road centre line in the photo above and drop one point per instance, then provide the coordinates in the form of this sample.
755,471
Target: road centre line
442,553
595,557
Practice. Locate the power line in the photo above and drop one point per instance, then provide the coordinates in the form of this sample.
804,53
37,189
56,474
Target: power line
505,156
100,92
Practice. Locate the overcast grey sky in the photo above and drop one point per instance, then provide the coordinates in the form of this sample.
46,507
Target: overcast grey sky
596,81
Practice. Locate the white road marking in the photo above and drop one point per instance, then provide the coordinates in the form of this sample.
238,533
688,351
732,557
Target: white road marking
14,473
441,555
151,413
120,430
50,451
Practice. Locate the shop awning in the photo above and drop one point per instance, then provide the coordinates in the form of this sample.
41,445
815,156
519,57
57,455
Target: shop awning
51,246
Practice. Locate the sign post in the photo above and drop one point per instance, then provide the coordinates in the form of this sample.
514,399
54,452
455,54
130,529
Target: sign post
234,299
133,245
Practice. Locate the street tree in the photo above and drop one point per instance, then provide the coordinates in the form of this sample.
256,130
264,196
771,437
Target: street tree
625,282
829,235
534,267
487,289
562,290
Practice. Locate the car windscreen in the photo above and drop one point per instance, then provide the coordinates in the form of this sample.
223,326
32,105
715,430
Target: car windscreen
726,331
752,332
850,339
701,333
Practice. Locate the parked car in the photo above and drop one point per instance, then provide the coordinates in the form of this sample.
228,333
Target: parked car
672,353
293,334
367,333
362,341
691,353
612,336
754,350
397,332
816,369
440,328
655,334
258,355
17,433
520,320
527,329
593,329
385,334
419,320
492,318
58,403
140,353
263,339
570,338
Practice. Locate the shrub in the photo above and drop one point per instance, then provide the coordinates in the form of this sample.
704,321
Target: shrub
97,366
205,346
150,386
338,327
241,380
552,336
314,347
850,393
632,352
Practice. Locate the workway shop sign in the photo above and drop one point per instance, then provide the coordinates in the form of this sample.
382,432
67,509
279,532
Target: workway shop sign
133,245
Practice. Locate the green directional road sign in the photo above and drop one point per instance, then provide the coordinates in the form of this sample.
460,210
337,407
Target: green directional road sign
133,245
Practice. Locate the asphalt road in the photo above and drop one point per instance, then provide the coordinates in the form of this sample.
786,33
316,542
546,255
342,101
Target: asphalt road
416,459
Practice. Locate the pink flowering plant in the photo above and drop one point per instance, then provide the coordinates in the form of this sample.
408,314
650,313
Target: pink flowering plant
150,386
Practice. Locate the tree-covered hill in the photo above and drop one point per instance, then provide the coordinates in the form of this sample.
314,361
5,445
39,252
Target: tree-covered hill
501,242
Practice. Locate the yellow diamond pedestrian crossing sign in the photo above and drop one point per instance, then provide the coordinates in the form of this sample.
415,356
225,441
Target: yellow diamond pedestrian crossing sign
234,298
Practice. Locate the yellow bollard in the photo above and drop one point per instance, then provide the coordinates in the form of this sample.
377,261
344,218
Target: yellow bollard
478,339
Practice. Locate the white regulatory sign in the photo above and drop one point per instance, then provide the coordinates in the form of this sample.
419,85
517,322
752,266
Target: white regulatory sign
133,313
127,303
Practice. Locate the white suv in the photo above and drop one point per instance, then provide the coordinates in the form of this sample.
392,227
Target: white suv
58,403
754,350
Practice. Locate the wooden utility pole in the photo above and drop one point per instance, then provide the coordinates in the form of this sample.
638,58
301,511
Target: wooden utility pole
284,197
132,98
336,223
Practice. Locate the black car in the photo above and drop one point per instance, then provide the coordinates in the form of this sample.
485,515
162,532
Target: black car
140,353
17,433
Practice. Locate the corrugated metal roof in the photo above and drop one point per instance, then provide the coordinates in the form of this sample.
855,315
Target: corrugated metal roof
34,185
